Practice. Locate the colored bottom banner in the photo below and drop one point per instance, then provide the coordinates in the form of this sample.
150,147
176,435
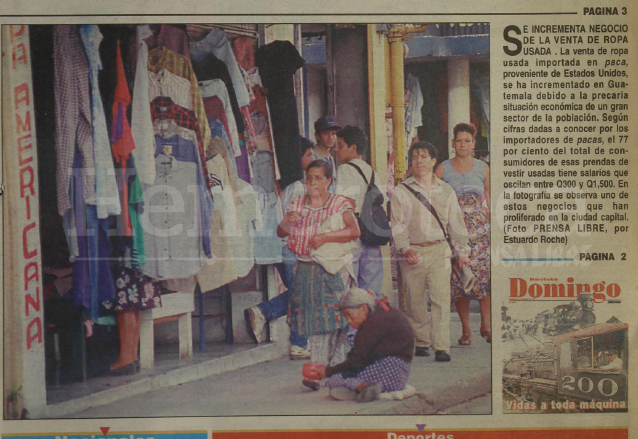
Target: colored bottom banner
113,435
427,433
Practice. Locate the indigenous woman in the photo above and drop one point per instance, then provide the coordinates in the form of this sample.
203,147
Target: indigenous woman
316,291
469,177
382,354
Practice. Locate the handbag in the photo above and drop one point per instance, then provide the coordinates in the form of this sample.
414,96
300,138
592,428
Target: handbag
464,274
373,219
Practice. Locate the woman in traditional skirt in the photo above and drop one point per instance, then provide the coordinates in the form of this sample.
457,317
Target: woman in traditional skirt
381,358
470,179
315,294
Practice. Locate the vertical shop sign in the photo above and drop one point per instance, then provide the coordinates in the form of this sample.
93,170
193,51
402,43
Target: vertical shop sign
22,255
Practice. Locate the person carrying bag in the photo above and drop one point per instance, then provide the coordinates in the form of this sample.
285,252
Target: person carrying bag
373,219
463,274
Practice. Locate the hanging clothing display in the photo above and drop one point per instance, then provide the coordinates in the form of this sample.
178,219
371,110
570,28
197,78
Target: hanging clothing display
73,129
210,68
241,232
169,36
141,124
92,278
163,108
106,194
164,83
219,134
277,63
413,117
133,250
122,143
218,146
185,150
218,44
220,270
172,236
217,88
267,243
244,50
163,58
160,171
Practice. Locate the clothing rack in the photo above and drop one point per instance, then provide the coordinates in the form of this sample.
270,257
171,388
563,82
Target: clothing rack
198,31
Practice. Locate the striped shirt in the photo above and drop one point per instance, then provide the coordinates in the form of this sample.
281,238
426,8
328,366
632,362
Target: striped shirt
163,58
311,220
165,83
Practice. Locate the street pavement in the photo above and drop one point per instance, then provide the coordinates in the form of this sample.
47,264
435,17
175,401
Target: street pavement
274,388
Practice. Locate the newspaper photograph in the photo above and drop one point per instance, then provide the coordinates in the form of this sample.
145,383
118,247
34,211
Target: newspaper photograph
413,220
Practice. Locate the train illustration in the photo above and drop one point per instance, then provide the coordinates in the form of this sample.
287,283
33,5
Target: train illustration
588,364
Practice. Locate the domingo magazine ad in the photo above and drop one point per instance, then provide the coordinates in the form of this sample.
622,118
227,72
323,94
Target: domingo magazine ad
413,220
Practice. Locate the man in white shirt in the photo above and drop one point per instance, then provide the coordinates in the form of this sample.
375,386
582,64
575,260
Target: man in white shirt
615,363
423,252
326,128
352,144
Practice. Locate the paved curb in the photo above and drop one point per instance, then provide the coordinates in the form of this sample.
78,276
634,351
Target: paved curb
182,375
422,404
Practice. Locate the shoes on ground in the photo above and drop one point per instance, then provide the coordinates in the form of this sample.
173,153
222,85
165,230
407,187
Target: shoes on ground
342,394
299,353
129,369
422,351
441,356
487,335
369,392
255,322
311,384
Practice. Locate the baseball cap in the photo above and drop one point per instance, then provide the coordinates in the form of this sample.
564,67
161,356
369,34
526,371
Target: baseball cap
326,123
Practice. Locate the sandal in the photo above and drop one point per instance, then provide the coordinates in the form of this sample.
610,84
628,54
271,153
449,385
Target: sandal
487,335
465,340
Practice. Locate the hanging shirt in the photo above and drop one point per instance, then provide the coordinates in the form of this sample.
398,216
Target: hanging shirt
179,65
107,196
122,143
241,231
277,63
217,43
92,278
136,202
219,147
171,221
216,88
267,243
413,116
164,83
220,270
141,124
259,114
170,37
163,108
73,128
185,150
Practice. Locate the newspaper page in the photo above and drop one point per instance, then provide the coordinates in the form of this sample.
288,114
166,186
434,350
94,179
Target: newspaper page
524,112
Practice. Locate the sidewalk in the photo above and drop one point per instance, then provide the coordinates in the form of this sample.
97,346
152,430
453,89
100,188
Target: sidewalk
274,388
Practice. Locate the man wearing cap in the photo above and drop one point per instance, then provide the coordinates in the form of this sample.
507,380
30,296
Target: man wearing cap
326,128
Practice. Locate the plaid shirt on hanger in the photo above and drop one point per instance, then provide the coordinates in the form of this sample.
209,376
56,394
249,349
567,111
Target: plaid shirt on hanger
179,65
163,107
73,120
